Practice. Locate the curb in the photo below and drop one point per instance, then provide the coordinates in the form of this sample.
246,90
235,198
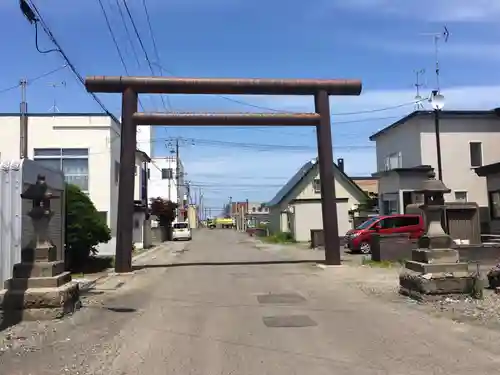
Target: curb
110,272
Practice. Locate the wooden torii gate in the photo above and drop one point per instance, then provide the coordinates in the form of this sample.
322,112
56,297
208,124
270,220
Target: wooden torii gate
130,87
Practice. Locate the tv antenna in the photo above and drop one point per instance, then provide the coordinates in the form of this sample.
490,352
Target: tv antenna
54,108
444,35
418,85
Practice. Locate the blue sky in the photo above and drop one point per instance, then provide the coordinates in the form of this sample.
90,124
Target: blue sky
378,41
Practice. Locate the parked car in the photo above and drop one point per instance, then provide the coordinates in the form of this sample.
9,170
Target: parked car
359,239
181,231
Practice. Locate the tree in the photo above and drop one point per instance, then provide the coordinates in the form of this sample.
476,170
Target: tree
165,211
85,228
370,204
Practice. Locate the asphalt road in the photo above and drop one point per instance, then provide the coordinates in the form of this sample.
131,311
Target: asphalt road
226,307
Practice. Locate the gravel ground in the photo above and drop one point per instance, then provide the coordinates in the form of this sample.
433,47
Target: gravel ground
383,283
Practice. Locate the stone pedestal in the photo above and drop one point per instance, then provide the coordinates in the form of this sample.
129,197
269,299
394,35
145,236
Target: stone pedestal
40,289
435,269
431,274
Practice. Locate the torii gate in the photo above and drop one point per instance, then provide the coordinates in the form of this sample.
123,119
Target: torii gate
130,87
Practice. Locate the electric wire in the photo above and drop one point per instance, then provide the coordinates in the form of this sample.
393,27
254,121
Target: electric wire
265,108
80,78
31,80
153,39
115,42
141,43
127,31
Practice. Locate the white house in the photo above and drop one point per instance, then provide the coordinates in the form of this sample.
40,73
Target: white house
406,151
165,173
86,146
296,208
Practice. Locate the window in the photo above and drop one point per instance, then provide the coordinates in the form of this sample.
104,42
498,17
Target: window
317,186
166,174
476,154
74,163
406,221
460,196
393,161
495,204
180,226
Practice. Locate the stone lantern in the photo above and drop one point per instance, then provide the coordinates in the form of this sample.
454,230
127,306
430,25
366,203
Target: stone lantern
435,268
40,288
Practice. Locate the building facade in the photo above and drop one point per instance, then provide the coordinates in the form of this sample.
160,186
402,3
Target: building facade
166,174
406,151
85,146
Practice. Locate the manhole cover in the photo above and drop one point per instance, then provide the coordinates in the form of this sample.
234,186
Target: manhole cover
293,321
284,298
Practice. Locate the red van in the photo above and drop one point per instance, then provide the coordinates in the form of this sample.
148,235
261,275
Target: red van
359,239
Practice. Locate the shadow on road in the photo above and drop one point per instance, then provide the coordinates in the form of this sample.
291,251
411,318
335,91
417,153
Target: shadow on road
216,264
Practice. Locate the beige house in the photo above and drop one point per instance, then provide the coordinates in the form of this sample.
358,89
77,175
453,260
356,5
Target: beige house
406,151
296,208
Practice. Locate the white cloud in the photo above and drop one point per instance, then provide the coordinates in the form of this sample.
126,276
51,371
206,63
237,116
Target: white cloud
469,51
431,10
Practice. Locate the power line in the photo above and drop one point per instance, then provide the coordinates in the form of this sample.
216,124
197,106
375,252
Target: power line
127,31
270,147
31,80
137,34
153,39
46,28
115,42
283,111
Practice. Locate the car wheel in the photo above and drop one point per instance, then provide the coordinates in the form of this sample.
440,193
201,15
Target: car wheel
365,248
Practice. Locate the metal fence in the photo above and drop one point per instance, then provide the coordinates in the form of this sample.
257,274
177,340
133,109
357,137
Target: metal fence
16,229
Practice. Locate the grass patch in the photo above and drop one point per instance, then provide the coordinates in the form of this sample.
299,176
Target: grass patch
280,238
382,264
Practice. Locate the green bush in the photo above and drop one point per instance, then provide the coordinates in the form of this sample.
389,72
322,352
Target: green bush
85,228
281,237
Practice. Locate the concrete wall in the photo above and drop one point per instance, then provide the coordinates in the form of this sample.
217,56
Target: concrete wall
404,139
307,216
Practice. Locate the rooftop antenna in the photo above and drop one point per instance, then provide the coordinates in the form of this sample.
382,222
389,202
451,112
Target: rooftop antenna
444,35
54,108
418,98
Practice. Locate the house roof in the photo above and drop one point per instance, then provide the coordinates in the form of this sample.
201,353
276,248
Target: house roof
144,155
443,114
488,169
301,174
64,114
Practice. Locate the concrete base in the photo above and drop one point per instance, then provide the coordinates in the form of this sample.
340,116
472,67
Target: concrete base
426,287
39,303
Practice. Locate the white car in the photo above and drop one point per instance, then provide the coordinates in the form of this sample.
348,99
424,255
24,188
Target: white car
181,231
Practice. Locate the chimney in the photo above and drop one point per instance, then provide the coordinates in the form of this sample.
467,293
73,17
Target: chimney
340,164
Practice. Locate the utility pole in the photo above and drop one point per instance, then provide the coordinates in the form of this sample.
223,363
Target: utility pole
180,200
23,133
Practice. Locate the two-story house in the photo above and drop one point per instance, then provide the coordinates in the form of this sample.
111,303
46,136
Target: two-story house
85,146
296,208
406,151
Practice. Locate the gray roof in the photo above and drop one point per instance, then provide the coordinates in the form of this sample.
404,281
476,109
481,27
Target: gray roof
302,173
443,114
